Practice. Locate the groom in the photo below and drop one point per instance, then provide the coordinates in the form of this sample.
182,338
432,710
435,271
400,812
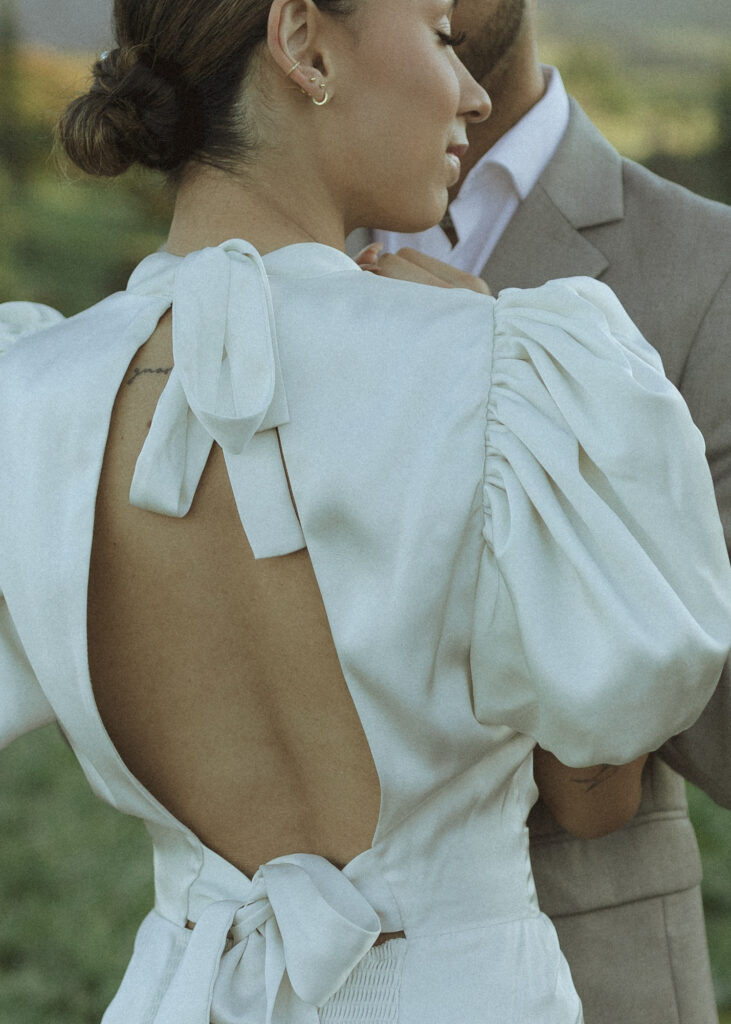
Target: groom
553,199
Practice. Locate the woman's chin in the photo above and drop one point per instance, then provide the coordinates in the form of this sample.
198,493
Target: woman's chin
413,221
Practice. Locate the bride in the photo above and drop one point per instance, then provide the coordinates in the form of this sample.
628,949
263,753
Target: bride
306,560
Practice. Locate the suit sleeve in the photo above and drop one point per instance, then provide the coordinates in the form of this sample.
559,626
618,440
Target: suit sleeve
703,753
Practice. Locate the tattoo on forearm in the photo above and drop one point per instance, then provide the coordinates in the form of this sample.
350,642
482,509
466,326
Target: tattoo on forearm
139,372
603,773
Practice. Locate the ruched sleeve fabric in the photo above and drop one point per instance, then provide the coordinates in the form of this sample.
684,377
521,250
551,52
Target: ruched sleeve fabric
23,705
603,548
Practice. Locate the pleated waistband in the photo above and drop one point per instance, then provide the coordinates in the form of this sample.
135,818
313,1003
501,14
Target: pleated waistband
371,993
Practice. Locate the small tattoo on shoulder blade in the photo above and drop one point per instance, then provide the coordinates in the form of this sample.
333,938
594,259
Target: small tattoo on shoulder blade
139,372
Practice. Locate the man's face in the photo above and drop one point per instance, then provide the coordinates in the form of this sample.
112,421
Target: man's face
492,27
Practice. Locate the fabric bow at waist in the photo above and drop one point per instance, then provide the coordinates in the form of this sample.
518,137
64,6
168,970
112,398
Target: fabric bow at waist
225,386
294,942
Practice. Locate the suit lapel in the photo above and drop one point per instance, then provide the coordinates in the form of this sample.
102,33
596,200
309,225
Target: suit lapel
538,245
581,188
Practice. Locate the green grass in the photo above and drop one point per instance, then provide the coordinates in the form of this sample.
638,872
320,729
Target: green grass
76,879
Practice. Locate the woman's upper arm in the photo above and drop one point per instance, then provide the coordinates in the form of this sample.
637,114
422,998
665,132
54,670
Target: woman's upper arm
589,802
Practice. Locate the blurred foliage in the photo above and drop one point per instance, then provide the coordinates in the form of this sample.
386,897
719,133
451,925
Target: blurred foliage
66,239
713,828
707,172
665,103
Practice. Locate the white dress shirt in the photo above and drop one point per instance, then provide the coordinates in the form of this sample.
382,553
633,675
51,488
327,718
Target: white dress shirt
496,185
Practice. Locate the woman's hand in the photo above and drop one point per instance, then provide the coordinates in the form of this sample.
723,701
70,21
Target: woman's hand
589,802
410,265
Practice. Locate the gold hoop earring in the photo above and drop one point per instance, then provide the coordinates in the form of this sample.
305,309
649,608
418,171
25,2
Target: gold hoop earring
293,68
325,98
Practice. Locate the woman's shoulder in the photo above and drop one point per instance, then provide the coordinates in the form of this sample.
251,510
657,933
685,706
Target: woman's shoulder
578,312
19,319
39,347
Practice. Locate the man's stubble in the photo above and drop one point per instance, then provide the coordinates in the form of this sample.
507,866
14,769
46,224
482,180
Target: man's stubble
489,42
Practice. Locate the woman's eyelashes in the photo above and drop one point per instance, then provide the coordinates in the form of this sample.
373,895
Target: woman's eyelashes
448,39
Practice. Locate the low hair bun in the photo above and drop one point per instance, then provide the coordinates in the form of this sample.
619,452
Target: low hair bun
136,111
172,92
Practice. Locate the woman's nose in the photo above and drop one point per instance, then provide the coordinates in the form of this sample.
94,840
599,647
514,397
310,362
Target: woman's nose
475,105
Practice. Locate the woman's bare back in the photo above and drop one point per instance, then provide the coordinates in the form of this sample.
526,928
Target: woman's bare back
215,674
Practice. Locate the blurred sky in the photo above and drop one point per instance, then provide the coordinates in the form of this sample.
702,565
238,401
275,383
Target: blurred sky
84,24
68,24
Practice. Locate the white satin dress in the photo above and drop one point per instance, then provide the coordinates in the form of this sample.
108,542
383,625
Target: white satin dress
514,531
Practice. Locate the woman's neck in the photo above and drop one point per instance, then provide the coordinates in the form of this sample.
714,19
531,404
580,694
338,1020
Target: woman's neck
212,206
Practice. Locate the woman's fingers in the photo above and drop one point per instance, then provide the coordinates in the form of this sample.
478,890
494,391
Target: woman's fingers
450,277
367,258
402,269
411,265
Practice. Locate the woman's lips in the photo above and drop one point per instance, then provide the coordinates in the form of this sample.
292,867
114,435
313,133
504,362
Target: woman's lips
454,156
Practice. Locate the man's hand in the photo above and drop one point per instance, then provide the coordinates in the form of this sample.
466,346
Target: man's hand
410,265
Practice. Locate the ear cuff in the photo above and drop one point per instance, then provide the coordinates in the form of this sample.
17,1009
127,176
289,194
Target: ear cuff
318,103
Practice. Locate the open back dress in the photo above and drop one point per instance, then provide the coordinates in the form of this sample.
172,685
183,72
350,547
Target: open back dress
513,528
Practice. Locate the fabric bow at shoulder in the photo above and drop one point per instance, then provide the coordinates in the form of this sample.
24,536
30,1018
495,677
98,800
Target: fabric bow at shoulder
225,386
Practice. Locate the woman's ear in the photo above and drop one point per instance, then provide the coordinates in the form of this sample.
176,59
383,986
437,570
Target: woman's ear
292,37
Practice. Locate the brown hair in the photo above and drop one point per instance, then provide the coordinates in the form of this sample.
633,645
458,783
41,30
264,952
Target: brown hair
168,93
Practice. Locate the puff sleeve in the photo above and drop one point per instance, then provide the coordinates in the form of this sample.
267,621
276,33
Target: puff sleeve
23,705
603,613
20,318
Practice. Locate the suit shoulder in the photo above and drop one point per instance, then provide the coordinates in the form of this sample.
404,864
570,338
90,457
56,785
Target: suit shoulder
669,208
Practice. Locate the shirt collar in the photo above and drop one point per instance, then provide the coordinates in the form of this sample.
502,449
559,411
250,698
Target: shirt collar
525,151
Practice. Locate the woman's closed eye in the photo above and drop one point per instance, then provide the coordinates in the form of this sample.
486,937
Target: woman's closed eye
448,39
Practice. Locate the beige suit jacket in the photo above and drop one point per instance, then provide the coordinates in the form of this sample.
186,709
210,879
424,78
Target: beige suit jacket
627,907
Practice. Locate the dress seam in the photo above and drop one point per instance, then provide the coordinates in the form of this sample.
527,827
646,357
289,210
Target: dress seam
492,922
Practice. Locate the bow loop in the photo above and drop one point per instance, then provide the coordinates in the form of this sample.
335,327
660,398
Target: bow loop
278,957
224,343
225,385
326,925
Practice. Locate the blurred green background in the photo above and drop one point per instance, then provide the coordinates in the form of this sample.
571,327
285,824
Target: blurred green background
75,877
